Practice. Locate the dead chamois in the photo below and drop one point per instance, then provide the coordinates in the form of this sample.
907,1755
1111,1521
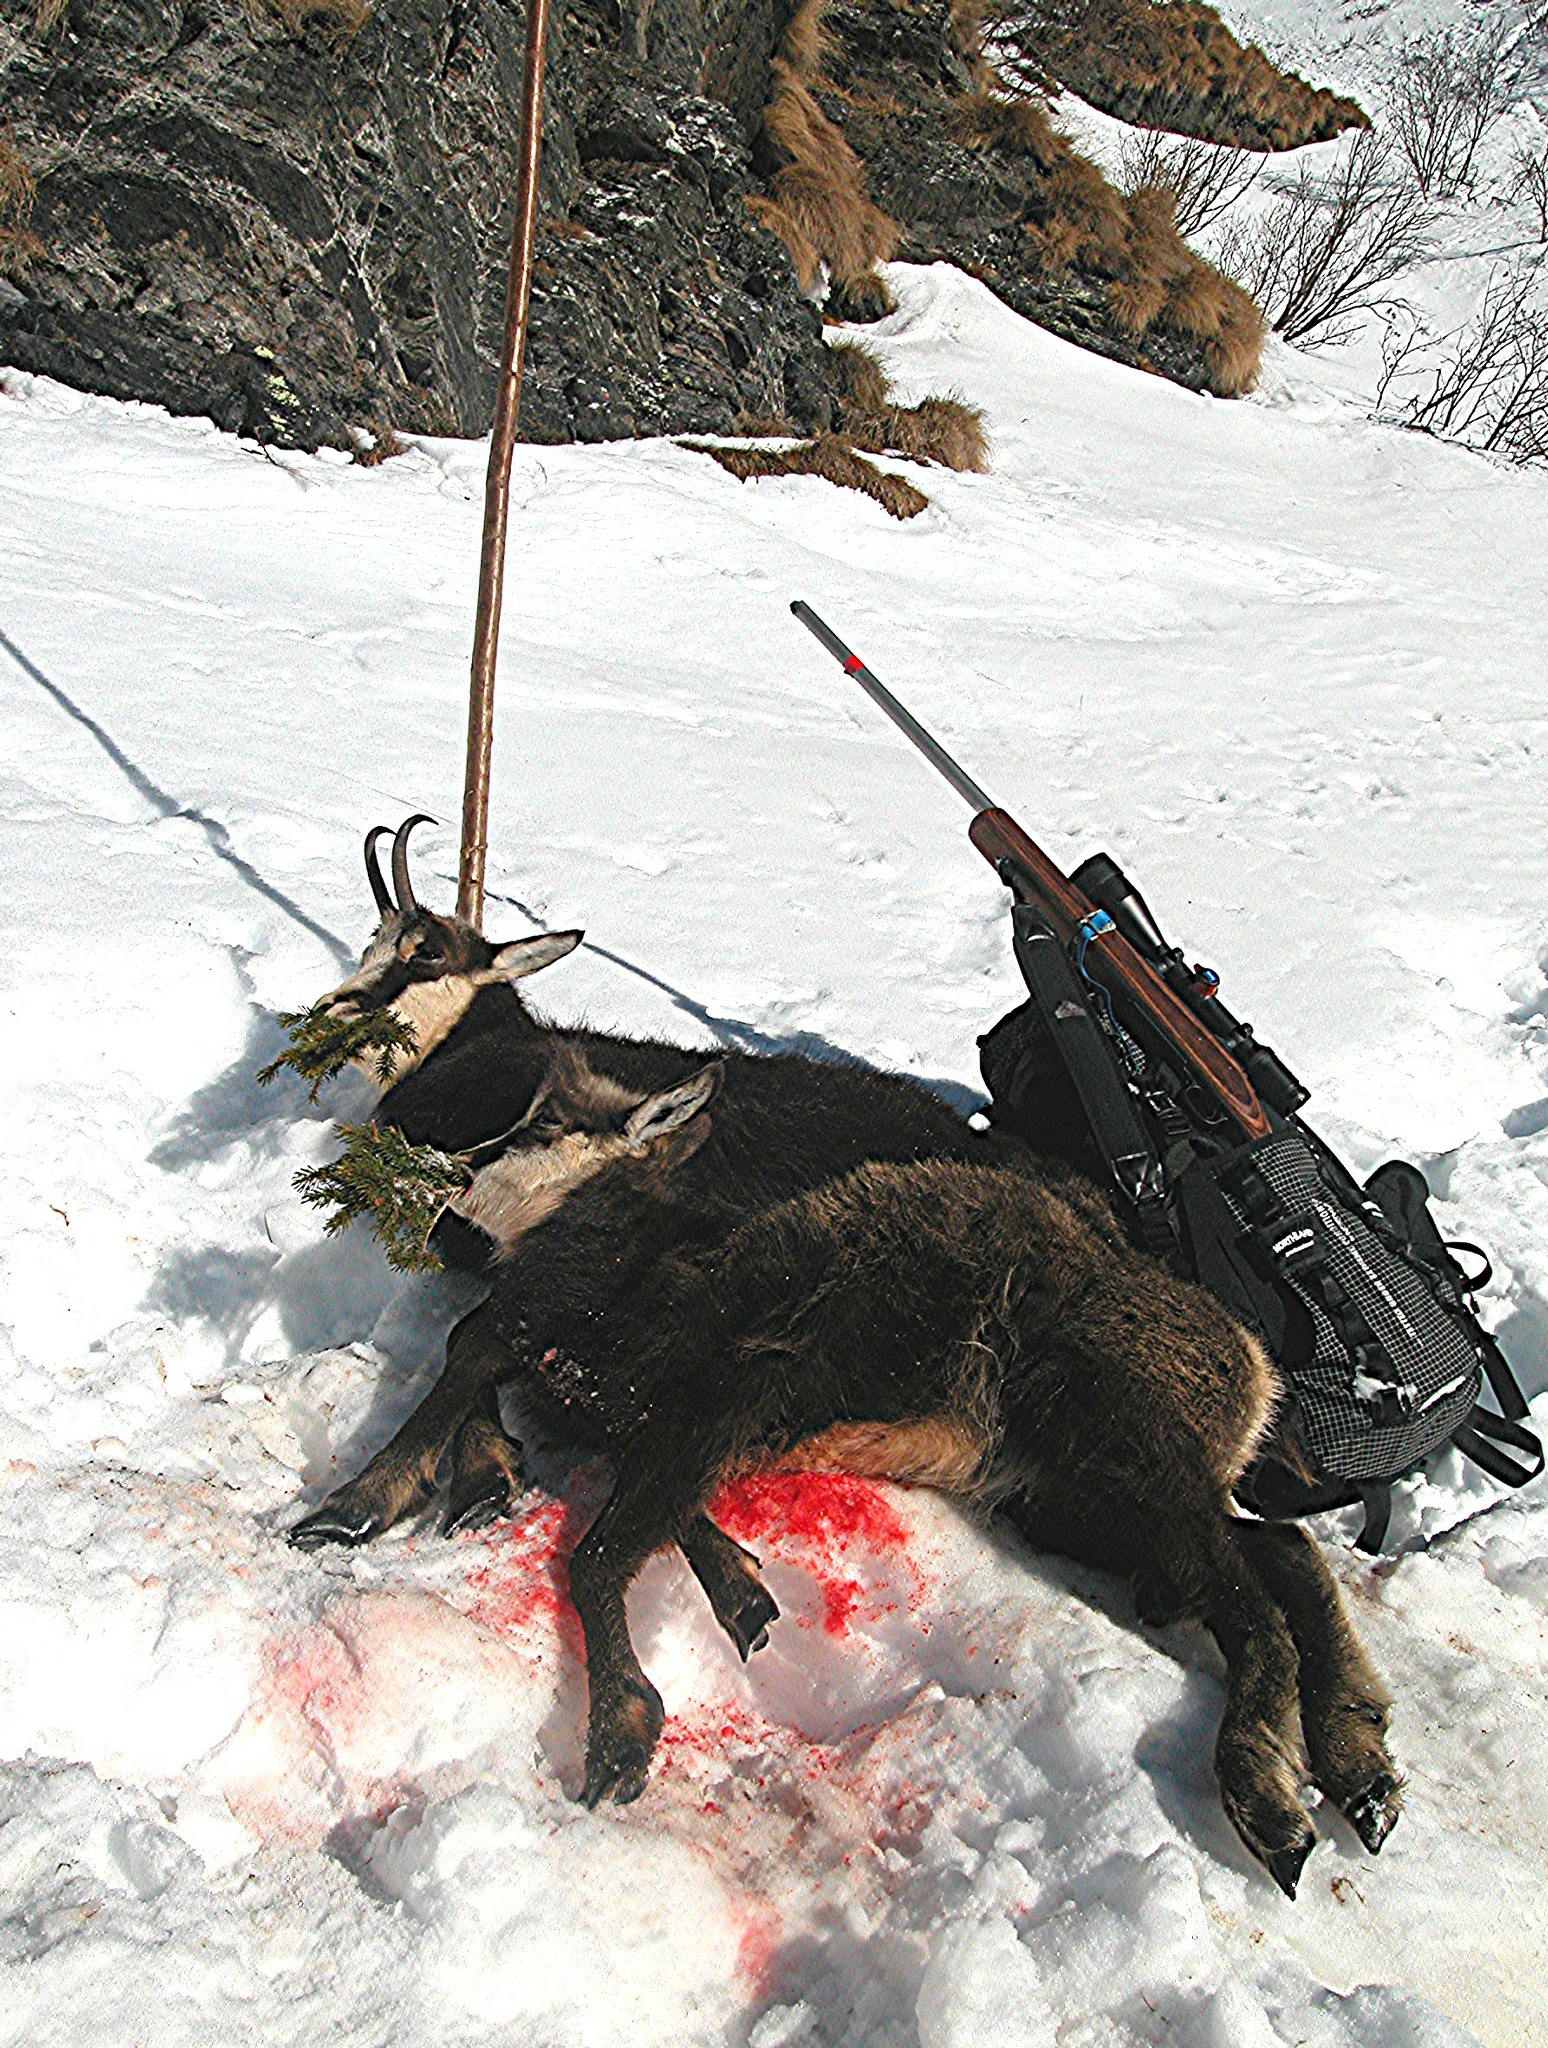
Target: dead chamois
484,1069
985,1329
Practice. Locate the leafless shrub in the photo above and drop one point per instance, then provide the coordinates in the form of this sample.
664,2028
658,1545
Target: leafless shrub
1204,178
1326,251
1447,91
1529,182
1484,385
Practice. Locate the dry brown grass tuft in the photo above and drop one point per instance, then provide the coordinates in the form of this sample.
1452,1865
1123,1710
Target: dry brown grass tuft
1169,64
817,204
829,456
18,244
864,385
943,430
49,13
968,18
340,20
1154,281
377,444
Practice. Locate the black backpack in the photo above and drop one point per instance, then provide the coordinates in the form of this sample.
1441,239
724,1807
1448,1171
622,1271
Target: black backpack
1367,1312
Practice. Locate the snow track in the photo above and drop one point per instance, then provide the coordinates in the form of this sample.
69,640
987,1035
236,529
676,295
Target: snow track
1286,666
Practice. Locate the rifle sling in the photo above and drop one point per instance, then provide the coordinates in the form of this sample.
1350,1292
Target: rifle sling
1080,1044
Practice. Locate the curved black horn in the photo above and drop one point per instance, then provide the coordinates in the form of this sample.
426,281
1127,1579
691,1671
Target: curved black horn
374,873
400,874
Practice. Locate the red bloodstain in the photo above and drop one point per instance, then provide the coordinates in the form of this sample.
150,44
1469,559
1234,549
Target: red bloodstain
708,1729
758,1945
816,1519
524,1587
316,1676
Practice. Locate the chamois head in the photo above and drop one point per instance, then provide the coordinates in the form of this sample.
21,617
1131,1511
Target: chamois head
580,1124
426,966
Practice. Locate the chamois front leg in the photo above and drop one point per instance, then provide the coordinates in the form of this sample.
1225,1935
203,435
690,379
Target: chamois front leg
486,1468
663,1476
401,1476
1344,1705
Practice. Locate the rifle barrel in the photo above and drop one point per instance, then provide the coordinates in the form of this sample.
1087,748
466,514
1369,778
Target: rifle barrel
1000,839
905,721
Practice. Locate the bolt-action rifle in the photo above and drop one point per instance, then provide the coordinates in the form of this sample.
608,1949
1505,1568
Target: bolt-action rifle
1143,989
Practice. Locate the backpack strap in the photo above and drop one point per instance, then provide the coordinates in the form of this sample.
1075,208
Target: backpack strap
1083,1048
1510,1397
1486,1438
1377,1496
1497,1442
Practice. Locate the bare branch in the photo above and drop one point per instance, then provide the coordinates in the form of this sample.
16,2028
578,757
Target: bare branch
1529,178
1485,384
1326,251
1204,178
1448,90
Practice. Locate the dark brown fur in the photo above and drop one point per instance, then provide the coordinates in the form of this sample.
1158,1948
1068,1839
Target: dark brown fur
989,1329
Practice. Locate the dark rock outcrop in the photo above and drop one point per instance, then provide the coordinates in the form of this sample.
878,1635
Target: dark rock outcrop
297,234
293,215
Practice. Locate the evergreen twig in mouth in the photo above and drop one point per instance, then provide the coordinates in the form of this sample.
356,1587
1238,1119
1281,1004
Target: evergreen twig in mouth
401,1188
324,1042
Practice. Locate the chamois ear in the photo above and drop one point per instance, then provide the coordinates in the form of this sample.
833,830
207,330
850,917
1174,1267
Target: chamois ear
673,1107
525,956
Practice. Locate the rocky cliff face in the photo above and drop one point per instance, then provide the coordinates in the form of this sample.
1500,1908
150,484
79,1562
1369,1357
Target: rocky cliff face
297,233
293,215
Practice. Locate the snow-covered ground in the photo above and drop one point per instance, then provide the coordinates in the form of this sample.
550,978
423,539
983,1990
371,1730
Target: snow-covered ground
1287,666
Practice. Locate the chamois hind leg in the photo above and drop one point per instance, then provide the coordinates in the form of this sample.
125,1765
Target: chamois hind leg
1344,1705
1256,1753
401,1476
1185,1549
663,1476
729,1575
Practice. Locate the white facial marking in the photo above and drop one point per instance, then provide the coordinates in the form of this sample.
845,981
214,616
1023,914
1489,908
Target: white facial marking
515,1194
434,1009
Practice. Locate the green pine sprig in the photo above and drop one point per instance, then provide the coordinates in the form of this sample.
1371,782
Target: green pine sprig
322,1045
401,1188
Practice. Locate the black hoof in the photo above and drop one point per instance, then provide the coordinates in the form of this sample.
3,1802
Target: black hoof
748,1623
1285,1865
1374,1814
330,1524
621,1744
475,1500
1157,1601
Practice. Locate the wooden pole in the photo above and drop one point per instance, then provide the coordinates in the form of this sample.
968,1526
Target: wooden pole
497,487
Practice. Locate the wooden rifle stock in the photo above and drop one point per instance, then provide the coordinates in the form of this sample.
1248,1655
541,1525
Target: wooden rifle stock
1123,971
